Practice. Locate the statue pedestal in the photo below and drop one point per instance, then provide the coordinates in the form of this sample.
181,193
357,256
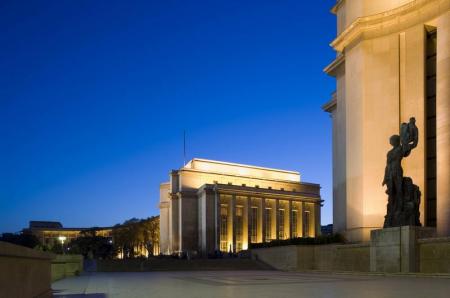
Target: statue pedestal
396,249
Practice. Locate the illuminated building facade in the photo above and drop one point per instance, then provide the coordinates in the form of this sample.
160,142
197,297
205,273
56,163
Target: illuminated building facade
209,206
49,232
393,63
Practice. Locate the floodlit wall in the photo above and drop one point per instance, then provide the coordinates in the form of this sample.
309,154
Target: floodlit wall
434,255
332,257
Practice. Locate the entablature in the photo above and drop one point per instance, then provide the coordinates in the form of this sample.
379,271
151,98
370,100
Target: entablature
395,20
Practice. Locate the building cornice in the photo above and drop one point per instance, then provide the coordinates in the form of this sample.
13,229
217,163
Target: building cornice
331,68
261,192
338,4
390,21
330,106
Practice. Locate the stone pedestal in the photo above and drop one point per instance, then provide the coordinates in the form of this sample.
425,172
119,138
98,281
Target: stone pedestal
395,249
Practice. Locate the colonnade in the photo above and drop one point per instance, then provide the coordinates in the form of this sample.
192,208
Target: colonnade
242,220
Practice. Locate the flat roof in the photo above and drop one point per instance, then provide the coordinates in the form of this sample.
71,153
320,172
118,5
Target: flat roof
239,165
229,168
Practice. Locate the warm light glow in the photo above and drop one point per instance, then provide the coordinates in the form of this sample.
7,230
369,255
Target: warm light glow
62,238
227,168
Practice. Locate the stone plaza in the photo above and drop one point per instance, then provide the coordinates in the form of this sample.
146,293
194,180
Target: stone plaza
260,284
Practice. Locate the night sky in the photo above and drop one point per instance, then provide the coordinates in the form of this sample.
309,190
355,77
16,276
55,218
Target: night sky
95,95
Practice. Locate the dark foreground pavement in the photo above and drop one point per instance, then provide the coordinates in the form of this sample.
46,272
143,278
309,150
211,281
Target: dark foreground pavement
260,284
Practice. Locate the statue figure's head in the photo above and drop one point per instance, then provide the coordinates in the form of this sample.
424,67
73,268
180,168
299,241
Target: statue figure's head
412,120
394,140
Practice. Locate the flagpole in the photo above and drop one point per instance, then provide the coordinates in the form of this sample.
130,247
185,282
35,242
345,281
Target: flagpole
184,147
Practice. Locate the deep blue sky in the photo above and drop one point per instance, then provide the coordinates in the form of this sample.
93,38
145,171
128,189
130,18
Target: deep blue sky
95,95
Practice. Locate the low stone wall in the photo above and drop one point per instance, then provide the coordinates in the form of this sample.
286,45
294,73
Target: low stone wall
330,257
389,252
434,255
24,272
66,265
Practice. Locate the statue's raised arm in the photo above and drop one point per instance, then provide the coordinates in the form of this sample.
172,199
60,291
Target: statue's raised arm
409,136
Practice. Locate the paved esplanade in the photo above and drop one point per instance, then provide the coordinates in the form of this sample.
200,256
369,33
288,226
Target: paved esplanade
259,284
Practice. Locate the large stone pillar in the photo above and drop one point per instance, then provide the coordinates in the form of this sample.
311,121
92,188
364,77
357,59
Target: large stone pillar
317,231
216,221
174,224
277,220
233,217
443,125
263,219
290,219
249,219
304,232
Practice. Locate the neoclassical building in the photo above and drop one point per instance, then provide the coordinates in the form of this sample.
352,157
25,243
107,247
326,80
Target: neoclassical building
392,63
210,206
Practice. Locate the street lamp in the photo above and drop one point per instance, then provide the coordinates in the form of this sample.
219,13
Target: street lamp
62,239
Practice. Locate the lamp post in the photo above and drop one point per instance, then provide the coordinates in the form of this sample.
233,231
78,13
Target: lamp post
62,239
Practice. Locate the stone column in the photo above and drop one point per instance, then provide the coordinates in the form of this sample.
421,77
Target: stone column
443,125
249,218
277,224
217,221
317,231
233,216
302,218
290,219
175,234
263,220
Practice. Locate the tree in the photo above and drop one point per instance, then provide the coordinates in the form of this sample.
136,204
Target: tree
134,235
23,239
88,244
150,233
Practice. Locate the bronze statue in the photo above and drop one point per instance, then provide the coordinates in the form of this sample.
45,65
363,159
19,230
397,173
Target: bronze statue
393,173
403,195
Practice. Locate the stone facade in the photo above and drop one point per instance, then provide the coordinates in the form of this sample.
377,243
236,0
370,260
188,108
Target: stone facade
392,250
210,206
330,257
393,62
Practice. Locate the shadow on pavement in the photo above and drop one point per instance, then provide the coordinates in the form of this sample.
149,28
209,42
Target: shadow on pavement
93,295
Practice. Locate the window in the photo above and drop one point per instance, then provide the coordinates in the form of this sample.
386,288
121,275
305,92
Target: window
268,223
430,131
223,228
254,225
294,223
281,224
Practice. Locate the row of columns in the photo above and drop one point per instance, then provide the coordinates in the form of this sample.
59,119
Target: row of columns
246,224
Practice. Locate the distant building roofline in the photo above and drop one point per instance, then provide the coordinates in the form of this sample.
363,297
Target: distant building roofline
239,165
